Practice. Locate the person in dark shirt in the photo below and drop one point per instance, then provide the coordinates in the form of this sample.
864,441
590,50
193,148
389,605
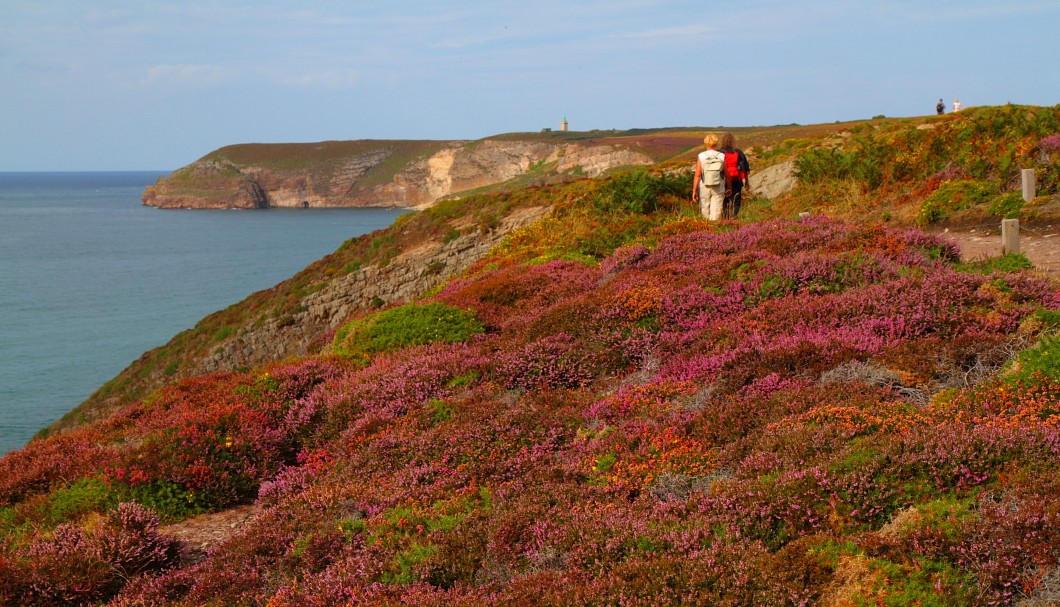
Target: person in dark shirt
737,176
940,108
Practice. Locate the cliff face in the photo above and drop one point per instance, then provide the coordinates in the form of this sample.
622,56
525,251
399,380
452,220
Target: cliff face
377,173
415,271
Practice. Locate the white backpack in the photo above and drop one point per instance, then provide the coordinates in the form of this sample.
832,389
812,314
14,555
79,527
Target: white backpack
712,167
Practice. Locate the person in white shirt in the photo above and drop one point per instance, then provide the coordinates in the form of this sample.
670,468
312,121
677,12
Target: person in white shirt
708,185
957,105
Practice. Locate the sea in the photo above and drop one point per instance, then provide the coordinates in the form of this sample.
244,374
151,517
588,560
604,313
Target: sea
90,278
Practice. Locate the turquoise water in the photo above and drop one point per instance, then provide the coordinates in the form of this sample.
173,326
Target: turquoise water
90,279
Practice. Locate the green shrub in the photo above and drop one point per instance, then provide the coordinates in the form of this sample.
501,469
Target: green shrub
171,501
640,191
440,410
1012,262
84,496
1007,206
953,196
224,333
1041,361
408,562
405,326
863,164
1049,318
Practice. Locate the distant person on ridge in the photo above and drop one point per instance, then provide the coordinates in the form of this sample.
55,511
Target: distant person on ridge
940,108
708,185
737,172
957,105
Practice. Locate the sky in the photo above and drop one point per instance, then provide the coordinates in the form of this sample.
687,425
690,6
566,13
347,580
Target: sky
90,85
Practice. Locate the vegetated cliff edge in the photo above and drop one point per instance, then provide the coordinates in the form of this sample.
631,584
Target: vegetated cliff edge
422,251
298,316
393,173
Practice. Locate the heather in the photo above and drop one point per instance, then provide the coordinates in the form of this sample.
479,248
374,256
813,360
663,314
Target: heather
621,404
788,412
961,169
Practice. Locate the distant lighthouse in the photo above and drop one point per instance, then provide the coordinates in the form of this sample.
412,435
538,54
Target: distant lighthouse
563,124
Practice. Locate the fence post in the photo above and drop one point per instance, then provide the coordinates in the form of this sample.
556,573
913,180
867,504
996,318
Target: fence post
1028,184
1010,236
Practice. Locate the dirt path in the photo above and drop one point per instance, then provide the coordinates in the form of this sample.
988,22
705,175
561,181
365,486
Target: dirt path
1041,248
207,531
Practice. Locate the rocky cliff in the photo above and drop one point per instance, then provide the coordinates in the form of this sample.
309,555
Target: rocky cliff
381,173
413,271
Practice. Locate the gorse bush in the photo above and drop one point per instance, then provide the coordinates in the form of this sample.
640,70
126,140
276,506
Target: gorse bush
954,196
404,326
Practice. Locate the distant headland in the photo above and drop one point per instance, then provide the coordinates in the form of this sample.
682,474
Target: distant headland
403,173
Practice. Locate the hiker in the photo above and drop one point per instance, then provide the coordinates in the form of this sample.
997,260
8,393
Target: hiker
957,105
737,172
708,185
940,108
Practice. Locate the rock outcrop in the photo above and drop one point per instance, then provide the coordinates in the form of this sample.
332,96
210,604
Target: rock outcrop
775,180
378,173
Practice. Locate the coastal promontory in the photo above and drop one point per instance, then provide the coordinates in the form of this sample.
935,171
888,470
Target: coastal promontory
399,173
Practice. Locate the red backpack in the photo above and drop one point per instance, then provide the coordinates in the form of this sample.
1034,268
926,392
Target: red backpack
732,165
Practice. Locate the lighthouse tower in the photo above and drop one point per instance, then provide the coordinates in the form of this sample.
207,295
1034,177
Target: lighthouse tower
563,124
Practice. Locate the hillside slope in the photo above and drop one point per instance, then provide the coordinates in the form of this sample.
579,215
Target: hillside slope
848,171
612,402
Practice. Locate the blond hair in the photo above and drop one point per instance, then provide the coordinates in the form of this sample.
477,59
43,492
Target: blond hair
711,140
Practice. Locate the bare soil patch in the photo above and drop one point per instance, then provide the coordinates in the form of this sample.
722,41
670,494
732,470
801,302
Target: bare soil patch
1042,247
204,532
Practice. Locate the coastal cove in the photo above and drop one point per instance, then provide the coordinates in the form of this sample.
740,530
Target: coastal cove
90,278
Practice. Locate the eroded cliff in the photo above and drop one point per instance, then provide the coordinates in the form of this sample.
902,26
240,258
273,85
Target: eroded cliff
382,173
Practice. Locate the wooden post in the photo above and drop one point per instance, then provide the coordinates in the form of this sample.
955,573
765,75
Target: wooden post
1010,236
1028,184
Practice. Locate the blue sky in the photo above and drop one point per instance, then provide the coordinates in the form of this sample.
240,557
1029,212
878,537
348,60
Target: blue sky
95,85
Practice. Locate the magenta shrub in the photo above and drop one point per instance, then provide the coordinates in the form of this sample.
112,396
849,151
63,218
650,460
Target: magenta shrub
737,416
74,566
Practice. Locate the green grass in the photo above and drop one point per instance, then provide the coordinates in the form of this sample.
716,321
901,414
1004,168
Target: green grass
404,326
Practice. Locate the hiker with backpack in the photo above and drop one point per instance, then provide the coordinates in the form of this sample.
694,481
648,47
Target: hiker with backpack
940,108
737,172
708,185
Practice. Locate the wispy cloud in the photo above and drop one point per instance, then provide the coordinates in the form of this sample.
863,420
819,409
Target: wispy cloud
185,75
337,78
673,32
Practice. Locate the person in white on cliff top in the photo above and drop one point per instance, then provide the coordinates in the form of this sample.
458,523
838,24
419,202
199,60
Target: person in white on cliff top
710,197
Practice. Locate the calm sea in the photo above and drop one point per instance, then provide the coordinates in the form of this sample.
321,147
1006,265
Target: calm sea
90,279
